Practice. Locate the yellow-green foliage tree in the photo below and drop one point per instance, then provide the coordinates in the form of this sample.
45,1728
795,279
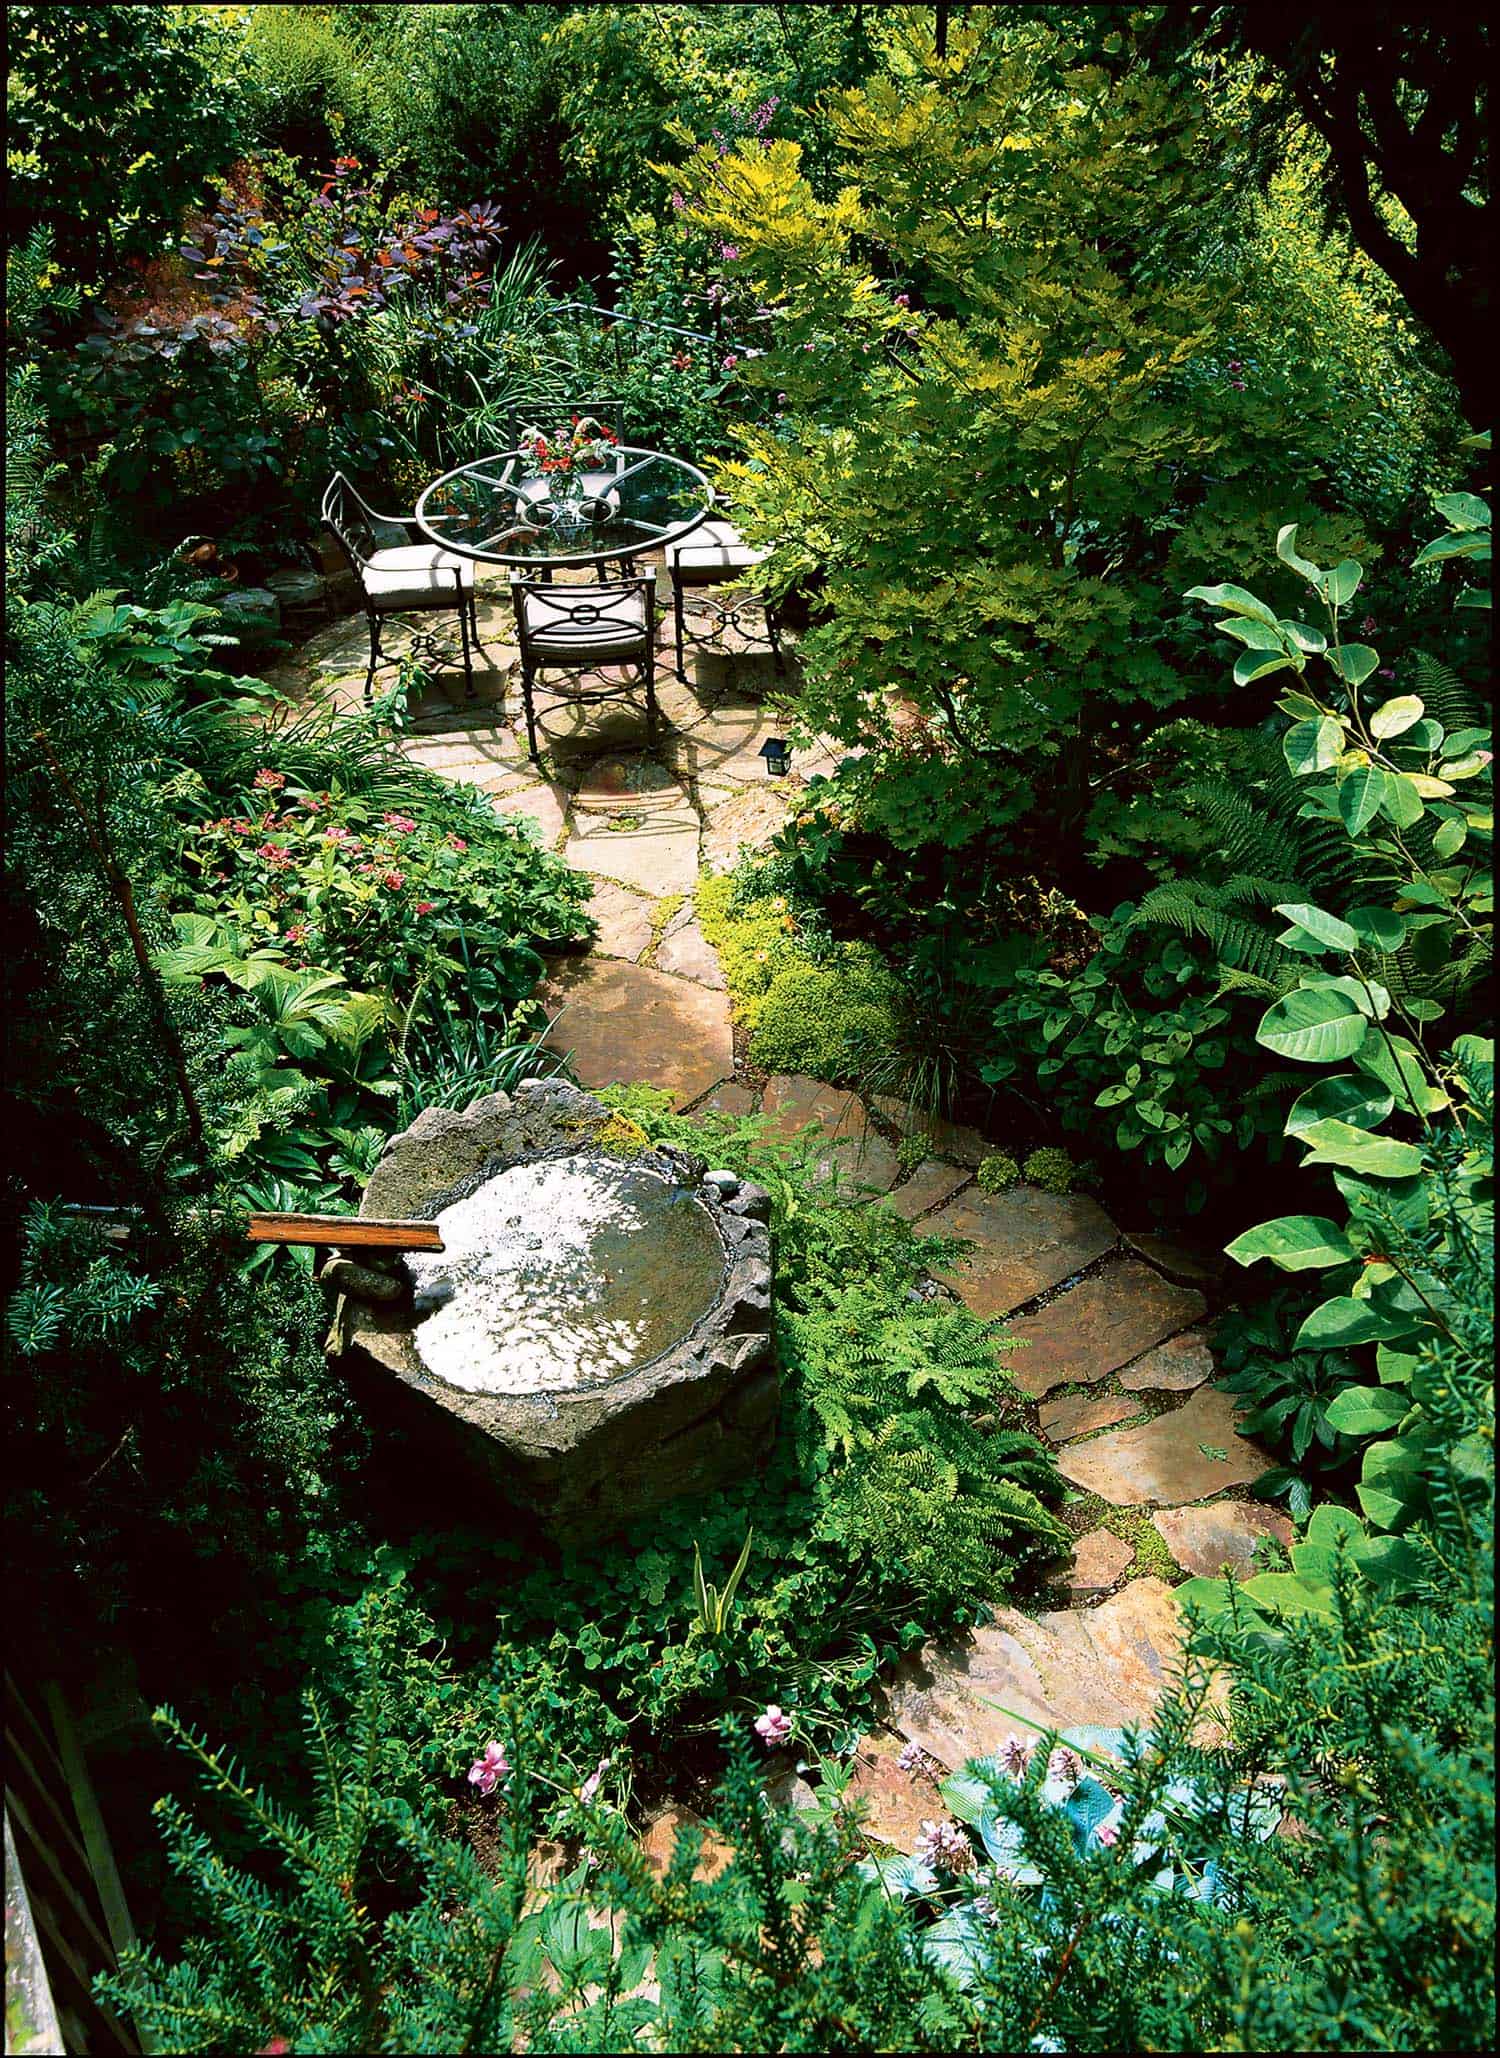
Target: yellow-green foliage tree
1013,389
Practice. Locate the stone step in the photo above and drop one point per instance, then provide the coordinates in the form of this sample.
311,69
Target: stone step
793,1100
1026,1242
624,1022
1189,1454
1105,1665
1099,1325
1208,1541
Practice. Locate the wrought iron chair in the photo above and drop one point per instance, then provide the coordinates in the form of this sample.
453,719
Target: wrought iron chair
576,629
715,554
400,573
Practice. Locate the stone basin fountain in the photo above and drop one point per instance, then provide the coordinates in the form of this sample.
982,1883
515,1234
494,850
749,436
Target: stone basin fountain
595,1337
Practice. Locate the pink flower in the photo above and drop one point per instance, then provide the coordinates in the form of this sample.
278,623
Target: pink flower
395,881
337,833
729,252
1064,1765
487,1772
1015,1756
310,803
903,300
270,781
1368,626
1107,1833
914,1759
297,933
277,858
944,1844
590,1786
773,1727
402,825
240,827
425,907
457,843
730,362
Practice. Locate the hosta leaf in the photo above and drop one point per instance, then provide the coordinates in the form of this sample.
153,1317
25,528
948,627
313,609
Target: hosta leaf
1312,1027
1296,1243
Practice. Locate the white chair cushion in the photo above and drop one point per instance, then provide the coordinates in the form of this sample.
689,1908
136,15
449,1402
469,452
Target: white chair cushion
549,633
416,575
710,553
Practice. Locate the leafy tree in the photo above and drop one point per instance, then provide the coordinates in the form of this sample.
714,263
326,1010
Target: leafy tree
1400,98
117,116
981,473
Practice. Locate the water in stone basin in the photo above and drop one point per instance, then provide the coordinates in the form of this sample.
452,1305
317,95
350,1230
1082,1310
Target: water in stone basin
563,1273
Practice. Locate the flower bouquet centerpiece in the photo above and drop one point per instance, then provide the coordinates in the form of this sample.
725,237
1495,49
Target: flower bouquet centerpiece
564,458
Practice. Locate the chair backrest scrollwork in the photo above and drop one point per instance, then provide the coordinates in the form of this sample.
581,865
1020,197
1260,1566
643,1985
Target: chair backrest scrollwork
555,615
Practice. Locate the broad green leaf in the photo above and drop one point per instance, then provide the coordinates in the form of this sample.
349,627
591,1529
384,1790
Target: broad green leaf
1401,800
1286,550
1235,599
1343,1322
1330,1522
1254,635
1258,664
1344,1098
1463,510
1429,788
1382,1508
1333,1142
1295,1243
1288,1594
1313,746
1366,1410
1312,1027
1450,837
1368,995
1323,928
1395,1367
1360,797
1354,663
1342,583
1313,641
1395,717
1467,767
1382,928
1475,544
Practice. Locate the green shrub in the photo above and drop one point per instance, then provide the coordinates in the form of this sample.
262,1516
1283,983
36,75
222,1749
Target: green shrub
998,1171
1052,1170
910,1151
828,1019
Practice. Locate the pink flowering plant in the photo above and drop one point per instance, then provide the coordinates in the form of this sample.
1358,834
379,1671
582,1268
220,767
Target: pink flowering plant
582,445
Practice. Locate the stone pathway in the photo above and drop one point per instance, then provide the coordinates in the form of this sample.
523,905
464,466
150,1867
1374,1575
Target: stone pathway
1112,1361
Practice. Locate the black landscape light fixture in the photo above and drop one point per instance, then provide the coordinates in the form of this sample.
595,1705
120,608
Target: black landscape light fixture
778,756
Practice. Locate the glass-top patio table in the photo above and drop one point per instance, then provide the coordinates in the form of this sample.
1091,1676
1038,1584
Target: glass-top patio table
501,510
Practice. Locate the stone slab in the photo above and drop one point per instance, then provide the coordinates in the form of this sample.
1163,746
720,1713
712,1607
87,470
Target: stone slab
742,818
928,1187
1026,1242
658,854
624,1023
1206,1541
895,1804
953,1140
624,919
1057,1670
1099,1325
793,1101
688,953
544,803
1171,1459
1176,1366
659,1842
1078,1414
1189,1266
624,784
1100,1561
730,1099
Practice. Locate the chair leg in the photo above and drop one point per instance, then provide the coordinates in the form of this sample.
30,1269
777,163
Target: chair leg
374,621
774,633
463,632
651,692
679,624
526,674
